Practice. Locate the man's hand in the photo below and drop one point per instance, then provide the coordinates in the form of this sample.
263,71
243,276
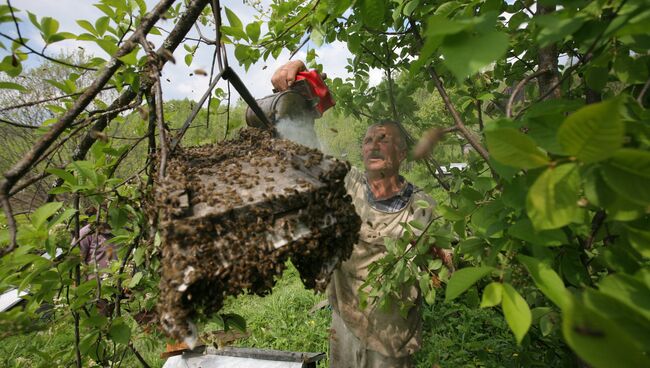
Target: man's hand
446,256
284,77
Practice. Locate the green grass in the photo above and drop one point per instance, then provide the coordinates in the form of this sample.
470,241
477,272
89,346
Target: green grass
455,335
282,319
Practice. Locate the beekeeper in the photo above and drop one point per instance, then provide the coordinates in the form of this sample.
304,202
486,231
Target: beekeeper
383,199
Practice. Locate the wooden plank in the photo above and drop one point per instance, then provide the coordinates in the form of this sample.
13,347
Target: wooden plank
266,354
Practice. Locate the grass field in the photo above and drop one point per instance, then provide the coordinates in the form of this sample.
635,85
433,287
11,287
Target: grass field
455,335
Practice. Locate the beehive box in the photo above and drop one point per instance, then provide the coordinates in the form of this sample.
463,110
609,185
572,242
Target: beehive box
233,213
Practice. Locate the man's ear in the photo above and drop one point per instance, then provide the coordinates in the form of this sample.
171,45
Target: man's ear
403,153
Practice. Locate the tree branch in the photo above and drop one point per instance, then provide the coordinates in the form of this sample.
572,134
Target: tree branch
588,56
138,356
162,132
596,223
18,125
639,98
175,37
38,102
469,136
286,30
479,111
11,224
547,59
518,88
156,105
195,112
77,282
120,290
54,60
18,170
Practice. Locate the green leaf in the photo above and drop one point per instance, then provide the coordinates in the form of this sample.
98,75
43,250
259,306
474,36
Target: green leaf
120,332
49,26
135,280
420,203
547,280
618,207
552,200
596,77
628,290
34,20
546,325
410,6
430,296
64,216
492,295
513,148
523,229
485,220
462,279
86,170
233,19
553,107
188,59
639,240
40,216
253,31
87,26
88,341
553,28
633,323
232,320
101,25
354,44
138,256
441,26
516,311
594,132
628,174
540,312
131,58
450,213
598,340
11,85
447,8
372,12
466,53
316,36
471,246
241,53
417,225
107,45
67,176
572,268
61,36
543,130
630,70
236,26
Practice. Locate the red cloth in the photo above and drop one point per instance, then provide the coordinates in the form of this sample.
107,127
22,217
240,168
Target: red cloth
318,86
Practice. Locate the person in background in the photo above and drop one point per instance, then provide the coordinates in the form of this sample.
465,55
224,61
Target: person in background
96,251
383,199
94,245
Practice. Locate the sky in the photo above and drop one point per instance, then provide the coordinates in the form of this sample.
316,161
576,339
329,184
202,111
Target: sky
181,85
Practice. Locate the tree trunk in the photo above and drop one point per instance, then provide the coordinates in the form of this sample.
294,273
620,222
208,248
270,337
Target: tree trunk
547,60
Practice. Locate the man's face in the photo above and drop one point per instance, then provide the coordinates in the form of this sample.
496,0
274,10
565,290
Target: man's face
381,150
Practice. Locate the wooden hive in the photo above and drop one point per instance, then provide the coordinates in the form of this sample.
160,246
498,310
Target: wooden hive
232,214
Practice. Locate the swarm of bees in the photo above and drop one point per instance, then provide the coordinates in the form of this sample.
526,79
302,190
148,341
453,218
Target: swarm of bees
232,214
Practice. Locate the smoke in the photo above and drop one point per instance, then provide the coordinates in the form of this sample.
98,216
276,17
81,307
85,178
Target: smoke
299,130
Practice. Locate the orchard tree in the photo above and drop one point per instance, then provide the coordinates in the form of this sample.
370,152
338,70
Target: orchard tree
551,217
